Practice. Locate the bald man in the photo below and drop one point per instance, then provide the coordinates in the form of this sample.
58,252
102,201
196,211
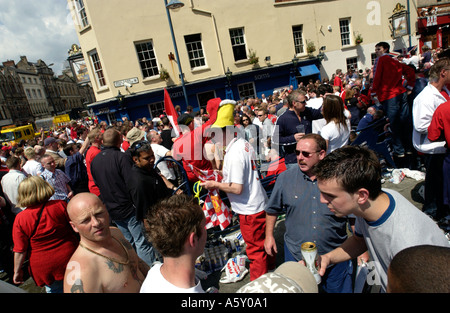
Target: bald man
104,262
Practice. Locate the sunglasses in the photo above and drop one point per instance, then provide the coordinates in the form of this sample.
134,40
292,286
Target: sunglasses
246,120
140,144
305,154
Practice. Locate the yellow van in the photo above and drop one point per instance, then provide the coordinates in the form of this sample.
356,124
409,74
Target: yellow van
13,135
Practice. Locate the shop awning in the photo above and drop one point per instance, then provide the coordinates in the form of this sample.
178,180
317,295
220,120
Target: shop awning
308,70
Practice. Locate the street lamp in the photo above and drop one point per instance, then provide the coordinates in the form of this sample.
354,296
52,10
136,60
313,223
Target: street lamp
175,4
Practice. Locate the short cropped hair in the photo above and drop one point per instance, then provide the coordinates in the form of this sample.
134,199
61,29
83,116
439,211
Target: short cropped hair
111,138
34,190
94,134
420,269
29,153
383,44
436,69
320,141
171,221
293,96
12,162
68,148
353,167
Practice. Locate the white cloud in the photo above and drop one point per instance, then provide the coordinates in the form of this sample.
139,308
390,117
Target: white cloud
37,29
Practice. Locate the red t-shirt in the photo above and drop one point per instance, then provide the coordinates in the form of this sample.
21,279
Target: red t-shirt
53,243
439,128
90,155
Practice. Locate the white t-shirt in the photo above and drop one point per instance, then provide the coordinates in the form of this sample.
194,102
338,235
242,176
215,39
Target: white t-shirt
315,103
156,283
337,135
240,167
33,168
400,227
160,152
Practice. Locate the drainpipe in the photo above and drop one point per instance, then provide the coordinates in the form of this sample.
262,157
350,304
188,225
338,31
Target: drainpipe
213,19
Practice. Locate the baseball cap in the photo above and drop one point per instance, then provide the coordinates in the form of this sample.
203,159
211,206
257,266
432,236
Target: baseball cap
48,141
289,277
185,119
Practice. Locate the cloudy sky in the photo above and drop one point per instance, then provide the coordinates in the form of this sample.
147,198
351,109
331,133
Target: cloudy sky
38,29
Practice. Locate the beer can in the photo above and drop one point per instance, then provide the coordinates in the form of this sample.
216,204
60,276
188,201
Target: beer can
311,258
237,245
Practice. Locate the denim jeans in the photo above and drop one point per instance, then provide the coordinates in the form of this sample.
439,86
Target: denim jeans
398,112
56,287
434,186
337,279
133,230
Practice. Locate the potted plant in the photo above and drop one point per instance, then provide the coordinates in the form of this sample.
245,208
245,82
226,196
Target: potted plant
310,47
163,74
358,39
253,59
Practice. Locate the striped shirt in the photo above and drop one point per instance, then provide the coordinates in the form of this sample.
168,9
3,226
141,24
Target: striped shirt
58,180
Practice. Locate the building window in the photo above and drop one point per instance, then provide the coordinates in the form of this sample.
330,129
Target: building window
344,26
373,57
98,70
82,13
195,50
204,97
297,31
246,91
156,109
238,44
352,63
147,59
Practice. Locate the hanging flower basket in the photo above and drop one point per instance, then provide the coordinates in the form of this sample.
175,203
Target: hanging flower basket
163,74
358,39
253,59
310,47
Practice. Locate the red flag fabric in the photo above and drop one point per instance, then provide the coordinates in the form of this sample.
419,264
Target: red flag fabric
172,115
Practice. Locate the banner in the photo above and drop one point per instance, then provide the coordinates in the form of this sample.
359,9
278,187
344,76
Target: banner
172,115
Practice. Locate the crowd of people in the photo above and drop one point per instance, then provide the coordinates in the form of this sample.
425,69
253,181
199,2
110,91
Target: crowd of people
85,209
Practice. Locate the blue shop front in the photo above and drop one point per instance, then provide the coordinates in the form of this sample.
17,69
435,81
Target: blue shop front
237,86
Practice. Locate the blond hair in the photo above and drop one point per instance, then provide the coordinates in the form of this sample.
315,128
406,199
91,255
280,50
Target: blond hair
30,153
34,190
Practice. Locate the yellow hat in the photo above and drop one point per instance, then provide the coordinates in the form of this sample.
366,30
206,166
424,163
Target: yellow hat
225,116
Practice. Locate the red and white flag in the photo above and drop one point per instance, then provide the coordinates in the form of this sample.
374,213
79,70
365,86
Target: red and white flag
172,115
216,211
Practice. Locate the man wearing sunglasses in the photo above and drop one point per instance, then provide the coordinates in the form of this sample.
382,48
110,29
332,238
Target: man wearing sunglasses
307,220
287,134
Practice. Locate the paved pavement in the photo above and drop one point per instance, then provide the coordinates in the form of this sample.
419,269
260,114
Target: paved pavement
409,188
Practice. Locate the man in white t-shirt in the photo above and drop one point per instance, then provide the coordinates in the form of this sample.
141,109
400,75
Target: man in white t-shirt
349,180
160,152
176,227
244,189
10,183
